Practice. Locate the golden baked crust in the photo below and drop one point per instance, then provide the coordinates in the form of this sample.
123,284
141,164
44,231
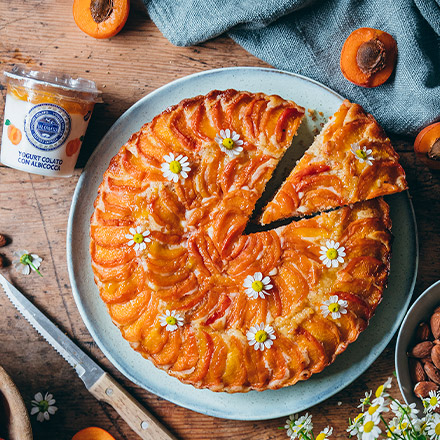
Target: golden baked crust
212,307
336,170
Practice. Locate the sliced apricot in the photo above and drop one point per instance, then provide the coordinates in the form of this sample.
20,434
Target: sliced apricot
72,146
93,433
368,57
101,18
14,133
427,146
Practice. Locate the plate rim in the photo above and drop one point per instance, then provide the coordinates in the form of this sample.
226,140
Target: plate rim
75,290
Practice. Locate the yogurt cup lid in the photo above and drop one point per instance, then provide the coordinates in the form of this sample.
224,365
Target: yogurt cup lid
84,87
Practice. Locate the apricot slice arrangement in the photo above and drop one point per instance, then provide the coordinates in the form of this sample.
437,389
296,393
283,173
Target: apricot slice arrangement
189,291
427,145
101,18
368,57
351,160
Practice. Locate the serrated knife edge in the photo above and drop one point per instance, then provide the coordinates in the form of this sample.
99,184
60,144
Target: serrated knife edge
87,369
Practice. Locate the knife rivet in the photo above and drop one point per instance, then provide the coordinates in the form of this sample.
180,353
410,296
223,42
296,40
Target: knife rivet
144,425
109,391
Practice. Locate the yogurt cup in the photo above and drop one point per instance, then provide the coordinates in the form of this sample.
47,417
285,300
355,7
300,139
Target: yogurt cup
45,120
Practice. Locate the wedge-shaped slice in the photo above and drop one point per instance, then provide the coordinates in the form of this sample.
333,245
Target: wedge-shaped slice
350,160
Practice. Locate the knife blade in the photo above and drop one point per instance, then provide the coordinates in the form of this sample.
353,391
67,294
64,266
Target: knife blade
96,380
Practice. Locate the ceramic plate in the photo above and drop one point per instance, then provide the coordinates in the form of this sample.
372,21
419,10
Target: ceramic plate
253,405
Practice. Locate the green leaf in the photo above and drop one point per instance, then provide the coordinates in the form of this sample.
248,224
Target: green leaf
7,122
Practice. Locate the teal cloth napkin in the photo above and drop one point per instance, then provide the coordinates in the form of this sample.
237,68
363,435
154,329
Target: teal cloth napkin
306,37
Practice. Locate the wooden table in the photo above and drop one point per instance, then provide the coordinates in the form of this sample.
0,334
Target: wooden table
34,210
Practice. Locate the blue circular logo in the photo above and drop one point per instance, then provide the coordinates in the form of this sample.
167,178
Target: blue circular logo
47,126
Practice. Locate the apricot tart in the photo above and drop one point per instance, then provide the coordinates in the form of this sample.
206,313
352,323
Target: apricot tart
351,160
189,291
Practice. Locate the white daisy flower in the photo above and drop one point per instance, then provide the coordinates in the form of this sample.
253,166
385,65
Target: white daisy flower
296,425
432,402
369,428
43,407
257,286
377,407
362,154
171,320
175,167
410,411
332,254
366,400
261,336
354,427
229,142
26,261
433,427
325,433
138,238
381,389
335,306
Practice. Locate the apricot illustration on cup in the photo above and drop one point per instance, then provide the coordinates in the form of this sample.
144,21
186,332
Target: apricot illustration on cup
14,133
73,146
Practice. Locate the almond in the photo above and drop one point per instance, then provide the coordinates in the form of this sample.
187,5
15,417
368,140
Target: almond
3,240
417,371
435,355
421,350
432,372
422,389
435,323
423,332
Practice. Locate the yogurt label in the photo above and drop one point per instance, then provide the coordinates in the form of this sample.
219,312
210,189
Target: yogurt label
47,126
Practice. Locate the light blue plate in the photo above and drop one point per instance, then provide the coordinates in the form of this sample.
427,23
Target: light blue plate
253,405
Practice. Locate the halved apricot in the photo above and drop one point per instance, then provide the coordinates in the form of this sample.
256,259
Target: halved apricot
14,134
427,146
73,146
368,57
101,18
93,433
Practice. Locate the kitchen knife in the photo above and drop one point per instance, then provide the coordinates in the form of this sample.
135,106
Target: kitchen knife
100,384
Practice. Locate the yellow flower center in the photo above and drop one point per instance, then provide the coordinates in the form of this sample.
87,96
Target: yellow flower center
372,410
334,307
379,391
368,427
437,429
228,143
26,259
321,436
171,320
361,154
257,286
175,167
358,417
433,401
391,430
138,238
261,336
332,254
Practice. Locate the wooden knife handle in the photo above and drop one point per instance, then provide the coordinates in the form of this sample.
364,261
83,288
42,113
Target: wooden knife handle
106,389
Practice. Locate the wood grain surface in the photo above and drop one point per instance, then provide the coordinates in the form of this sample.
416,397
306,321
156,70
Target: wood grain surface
34,210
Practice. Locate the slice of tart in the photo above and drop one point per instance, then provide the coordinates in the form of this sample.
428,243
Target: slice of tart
351,160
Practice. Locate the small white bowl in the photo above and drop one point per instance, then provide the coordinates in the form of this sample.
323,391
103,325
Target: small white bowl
420,311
